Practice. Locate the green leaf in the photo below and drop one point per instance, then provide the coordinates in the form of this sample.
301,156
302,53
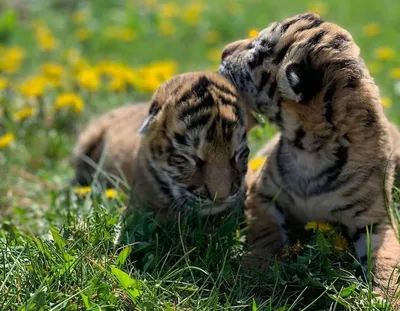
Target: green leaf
85,300
58,238
131,286
254,306
123,255
347,291
167,307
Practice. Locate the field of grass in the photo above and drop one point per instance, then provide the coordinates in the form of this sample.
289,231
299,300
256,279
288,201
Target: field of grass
64,61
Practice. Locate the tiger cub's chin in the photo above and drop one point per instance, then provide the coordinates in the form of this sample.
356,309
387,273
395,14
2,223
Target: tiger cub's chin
185,150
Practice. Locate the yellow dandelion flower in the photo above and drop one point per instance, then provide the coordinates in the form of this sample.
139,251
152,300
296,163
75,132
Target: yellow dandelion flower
111,194
253,33
44,37
11,60
166,28
385,53
3,84
394,73
53,72
117,84
83,34
80,17
318,225
69,100
169,9
120,33
82,191
318,7
192,12
34,86
89,79
386,102
214,55
256,163
341,244
23,114
212,37
149,78
6,140
371,29
374,67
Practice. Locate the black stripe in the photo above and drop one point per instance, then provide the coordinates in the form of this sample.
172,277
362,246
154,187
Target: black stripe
190,110
286,25
180,139
341,160
155,107
198,89
338,42
272,89
265,198
225,89
257,60
212,131
281,54
264,80
164,187
198,121
278,115
300,134
328,98
364,260
317,38
313,24
357,184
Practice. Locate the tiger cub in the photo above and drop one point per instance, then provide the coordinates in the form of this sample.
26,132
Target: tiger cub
333,159
189,144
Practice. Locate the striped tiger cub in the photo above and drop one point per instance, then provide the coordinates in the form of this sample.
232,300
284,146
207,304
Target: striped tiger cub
188,145
333,159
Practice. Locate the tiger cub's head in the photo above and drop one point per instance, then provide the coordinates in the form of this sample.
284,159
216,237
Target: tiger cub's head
300,73
196,141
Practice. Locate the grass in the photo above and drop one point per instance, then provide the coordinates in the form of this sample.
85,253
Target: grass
57,248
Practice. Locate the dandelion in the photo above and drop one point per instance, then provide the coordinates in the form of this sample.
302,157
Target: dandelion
317,225
120,33
89,79
253,33
117,84
69,100
340,243
44,37
166,28
82,191
80,17
318,7
168,10
53,72
374,67
3,84
256,163
386,102
23,114
385,53
33,87
214,55
394,73
11,60
212,37
83,34
149,78
111,194
371,29
6,140
192,12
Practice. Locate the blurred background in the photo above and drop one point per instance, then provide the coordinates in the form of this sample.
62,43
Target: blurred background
64,61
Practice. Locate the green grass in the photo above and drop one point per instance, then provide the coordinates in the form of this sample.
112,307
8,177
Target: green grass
57,249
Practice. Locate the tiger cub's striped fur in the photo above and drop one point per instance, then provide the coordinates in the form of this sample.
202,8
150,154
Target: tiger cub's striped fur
193,145
333,161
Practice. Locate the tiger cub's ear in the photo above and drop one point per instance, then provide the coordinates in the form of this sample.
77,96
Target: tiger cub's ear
155,108
299,82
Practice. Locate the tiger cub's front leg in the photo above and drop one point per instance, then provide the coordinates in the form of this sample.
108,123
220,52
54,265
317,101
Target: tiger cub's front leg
266,220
